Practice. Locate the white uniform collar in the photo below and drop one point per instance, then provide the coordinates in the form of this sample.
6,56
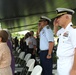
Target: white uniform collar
45,26
68,25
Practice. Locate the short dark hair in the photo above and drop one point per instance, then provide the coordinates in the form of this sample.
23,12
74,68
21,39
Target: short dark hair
4,35
32,32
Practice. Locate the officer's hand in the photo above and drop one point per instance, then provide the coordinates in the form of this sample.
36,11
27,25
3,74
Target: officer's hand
73,72
55,23
39,29
48,56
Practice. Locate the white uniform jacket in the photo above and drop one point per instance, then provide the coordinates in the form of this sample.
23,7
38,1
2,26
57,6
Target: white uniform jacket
67,41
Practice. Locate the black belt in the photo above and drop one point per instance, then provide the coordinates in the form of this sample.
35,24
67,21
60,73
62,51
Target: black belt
43,50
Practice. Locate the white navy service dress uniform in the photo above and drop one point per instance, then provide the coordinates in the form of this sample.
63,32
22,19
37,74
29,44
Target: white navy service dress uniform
65,50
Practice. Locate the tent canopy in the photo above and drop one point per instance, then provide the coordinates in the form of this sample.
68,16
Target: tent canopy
18,15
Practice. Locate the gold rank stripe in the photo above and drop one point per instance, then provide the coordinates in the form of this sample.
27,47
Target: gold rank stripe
61,13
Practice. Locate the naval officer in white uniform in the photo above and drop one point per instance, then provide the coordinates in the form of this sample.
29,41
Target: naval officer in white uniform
66,51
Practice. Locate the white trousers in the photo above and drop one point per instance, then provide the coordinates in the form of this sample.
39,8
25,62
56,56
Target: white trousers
64,65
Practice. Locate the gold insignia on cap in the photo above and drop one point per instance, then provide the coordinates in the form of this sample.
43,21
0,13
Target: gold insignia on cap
61,13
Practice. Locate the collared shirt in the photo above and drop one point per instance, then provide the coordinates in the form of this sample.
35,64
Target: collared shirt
67,41
46,36
31,42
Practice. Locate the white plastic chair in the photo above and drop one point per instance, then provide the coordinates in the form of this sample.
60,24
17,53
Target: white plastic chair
37,70
27,57
29,67
30,64
19,58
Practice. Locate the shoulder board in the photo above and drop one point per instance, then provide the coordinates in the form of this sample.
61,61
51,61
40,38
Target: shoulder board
48,27
74,26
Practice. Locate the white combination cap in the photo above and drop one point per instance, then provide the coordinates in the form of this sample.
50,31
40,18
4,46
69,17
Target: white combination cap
45,18
62,11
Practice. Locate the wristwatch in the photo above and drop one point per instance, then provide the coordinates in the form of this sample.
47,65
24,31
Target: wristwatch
49,54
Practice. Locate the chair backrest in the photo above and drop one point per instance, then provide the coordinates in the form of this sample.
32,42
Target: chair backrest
30,64
18,51
27,57
21,55
37,70
17,48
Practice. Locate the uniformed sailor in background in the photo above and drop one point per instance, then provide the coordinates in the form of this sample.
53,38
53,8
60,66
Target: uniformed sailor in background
66,51
46,45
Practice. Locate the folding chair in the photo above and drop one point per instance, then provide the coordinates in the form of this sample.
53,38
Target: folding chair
27,57
27,68
37,70
20,68
16,51
19,59
22,62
